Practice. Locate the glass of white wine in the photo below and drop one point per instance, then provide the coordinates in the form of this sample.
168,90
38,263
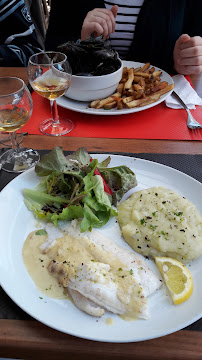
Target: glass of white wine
15,110
49,74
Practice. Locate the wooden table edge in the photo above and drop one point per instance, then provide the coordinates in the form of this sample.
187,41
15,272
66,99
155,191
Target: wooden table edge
27,339
112,145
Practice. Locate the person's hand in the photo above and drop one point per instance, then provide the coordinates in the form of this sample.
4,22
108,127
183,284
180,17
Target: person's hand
188,55
100,22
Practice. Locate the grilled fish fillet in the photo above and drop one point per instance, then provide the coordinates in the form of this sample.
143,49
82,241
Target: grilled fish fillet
85,304
111,278
143,274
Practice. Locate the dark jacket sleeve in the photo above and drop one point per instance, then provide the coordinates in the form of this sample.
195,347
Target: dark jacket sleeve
18,40
66,19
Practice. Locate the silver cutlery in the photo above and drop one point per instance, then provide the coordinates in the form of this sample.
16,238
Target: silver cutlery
191,122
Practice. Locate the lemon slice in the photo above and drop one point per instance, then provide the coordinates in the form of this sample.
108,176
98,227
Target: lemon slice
177,278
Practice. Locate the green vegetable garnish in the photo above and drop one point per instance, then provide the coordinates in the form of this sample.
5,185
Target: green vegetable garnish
41,232
76,186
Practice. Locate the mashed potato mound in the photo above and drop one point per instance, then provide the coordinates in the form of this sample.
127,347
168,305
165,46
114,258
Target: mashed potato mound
159,222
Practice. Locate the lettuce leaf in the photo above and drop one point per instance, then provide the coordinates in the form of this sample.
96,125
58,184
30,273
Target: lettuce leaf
69,188
120,179
56,161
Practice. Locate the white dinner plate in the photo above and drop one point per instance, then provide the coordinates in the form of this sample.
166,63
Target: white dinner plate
16,222
81,106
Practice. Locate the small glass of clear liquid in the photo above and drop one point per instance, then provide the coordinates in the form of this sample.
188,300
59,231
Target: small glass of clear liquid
15,110
49,74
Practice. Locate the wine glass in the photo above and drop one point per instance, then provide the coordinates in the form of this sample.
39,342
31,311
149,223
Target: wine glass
15,110
49,74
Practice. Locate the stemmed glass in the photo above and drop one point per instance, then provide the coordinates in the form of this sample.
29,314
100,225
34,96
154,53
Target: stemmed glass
49,74
15,110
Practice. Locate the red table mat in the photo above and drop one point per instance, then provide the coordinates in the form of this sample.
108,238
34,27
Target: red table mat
158,122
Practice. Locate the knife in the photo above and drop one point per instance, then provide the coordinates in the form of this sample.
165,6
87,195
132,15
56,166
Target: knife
180,100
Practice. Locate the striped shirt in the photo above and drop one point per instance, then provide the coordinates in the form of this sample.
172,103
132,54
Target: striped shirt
126,20
18,40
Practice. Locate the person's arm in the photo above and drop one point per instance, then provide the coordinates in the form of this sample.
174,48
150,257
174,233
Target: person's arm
18,39
66,20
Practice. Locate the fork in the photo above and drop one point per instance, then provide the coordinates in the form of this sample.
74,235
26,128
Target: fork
191,122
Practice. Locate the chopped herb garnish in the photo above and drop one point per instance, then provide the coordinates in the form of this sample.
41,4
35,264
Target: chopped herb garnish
41,232
153,227
179,213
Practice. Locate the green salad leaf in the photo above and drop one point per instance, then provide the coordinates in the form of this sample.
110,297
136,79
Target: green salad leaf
120,179
72,187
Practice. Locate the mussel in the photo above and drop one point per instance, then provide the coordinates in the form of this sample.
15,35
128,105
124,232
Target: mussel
93,56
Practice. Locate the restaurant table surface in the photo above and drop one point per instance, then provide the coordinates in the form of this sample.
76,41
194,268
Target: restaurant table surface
29,339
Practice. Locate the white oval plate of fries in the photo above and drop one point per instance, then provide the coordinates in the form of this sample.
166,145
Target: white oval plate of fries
142,86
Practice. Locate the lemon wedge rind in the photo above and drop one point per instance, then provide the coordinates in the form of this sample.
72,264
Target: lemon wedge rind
177,278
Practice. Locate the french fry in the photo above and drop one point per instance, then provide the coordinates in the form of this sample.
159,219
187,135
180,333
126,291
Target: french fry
93,103
151,70
123,80
143,101
156,73
138,87
106,101
120,88
166,89
130,92
125,71
137,79
124,75
134,103
128,83
145,67
128,99
142,83
120,103
137,69
143,74
159,86
150,100
110,105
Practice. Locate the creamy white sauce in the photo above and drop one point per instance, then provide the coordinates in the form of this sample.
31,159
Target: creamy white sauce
36,263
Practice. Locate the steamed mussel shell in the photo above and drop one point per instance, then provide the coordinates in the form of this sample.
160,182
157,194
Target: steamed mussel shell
92,57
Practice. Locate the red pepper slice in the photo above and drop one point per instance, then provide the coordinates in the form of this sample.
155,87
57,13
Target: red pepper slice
106,187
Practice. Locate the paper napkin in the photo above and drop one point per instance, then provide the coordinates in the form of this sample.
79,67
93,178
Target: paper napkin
185,91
